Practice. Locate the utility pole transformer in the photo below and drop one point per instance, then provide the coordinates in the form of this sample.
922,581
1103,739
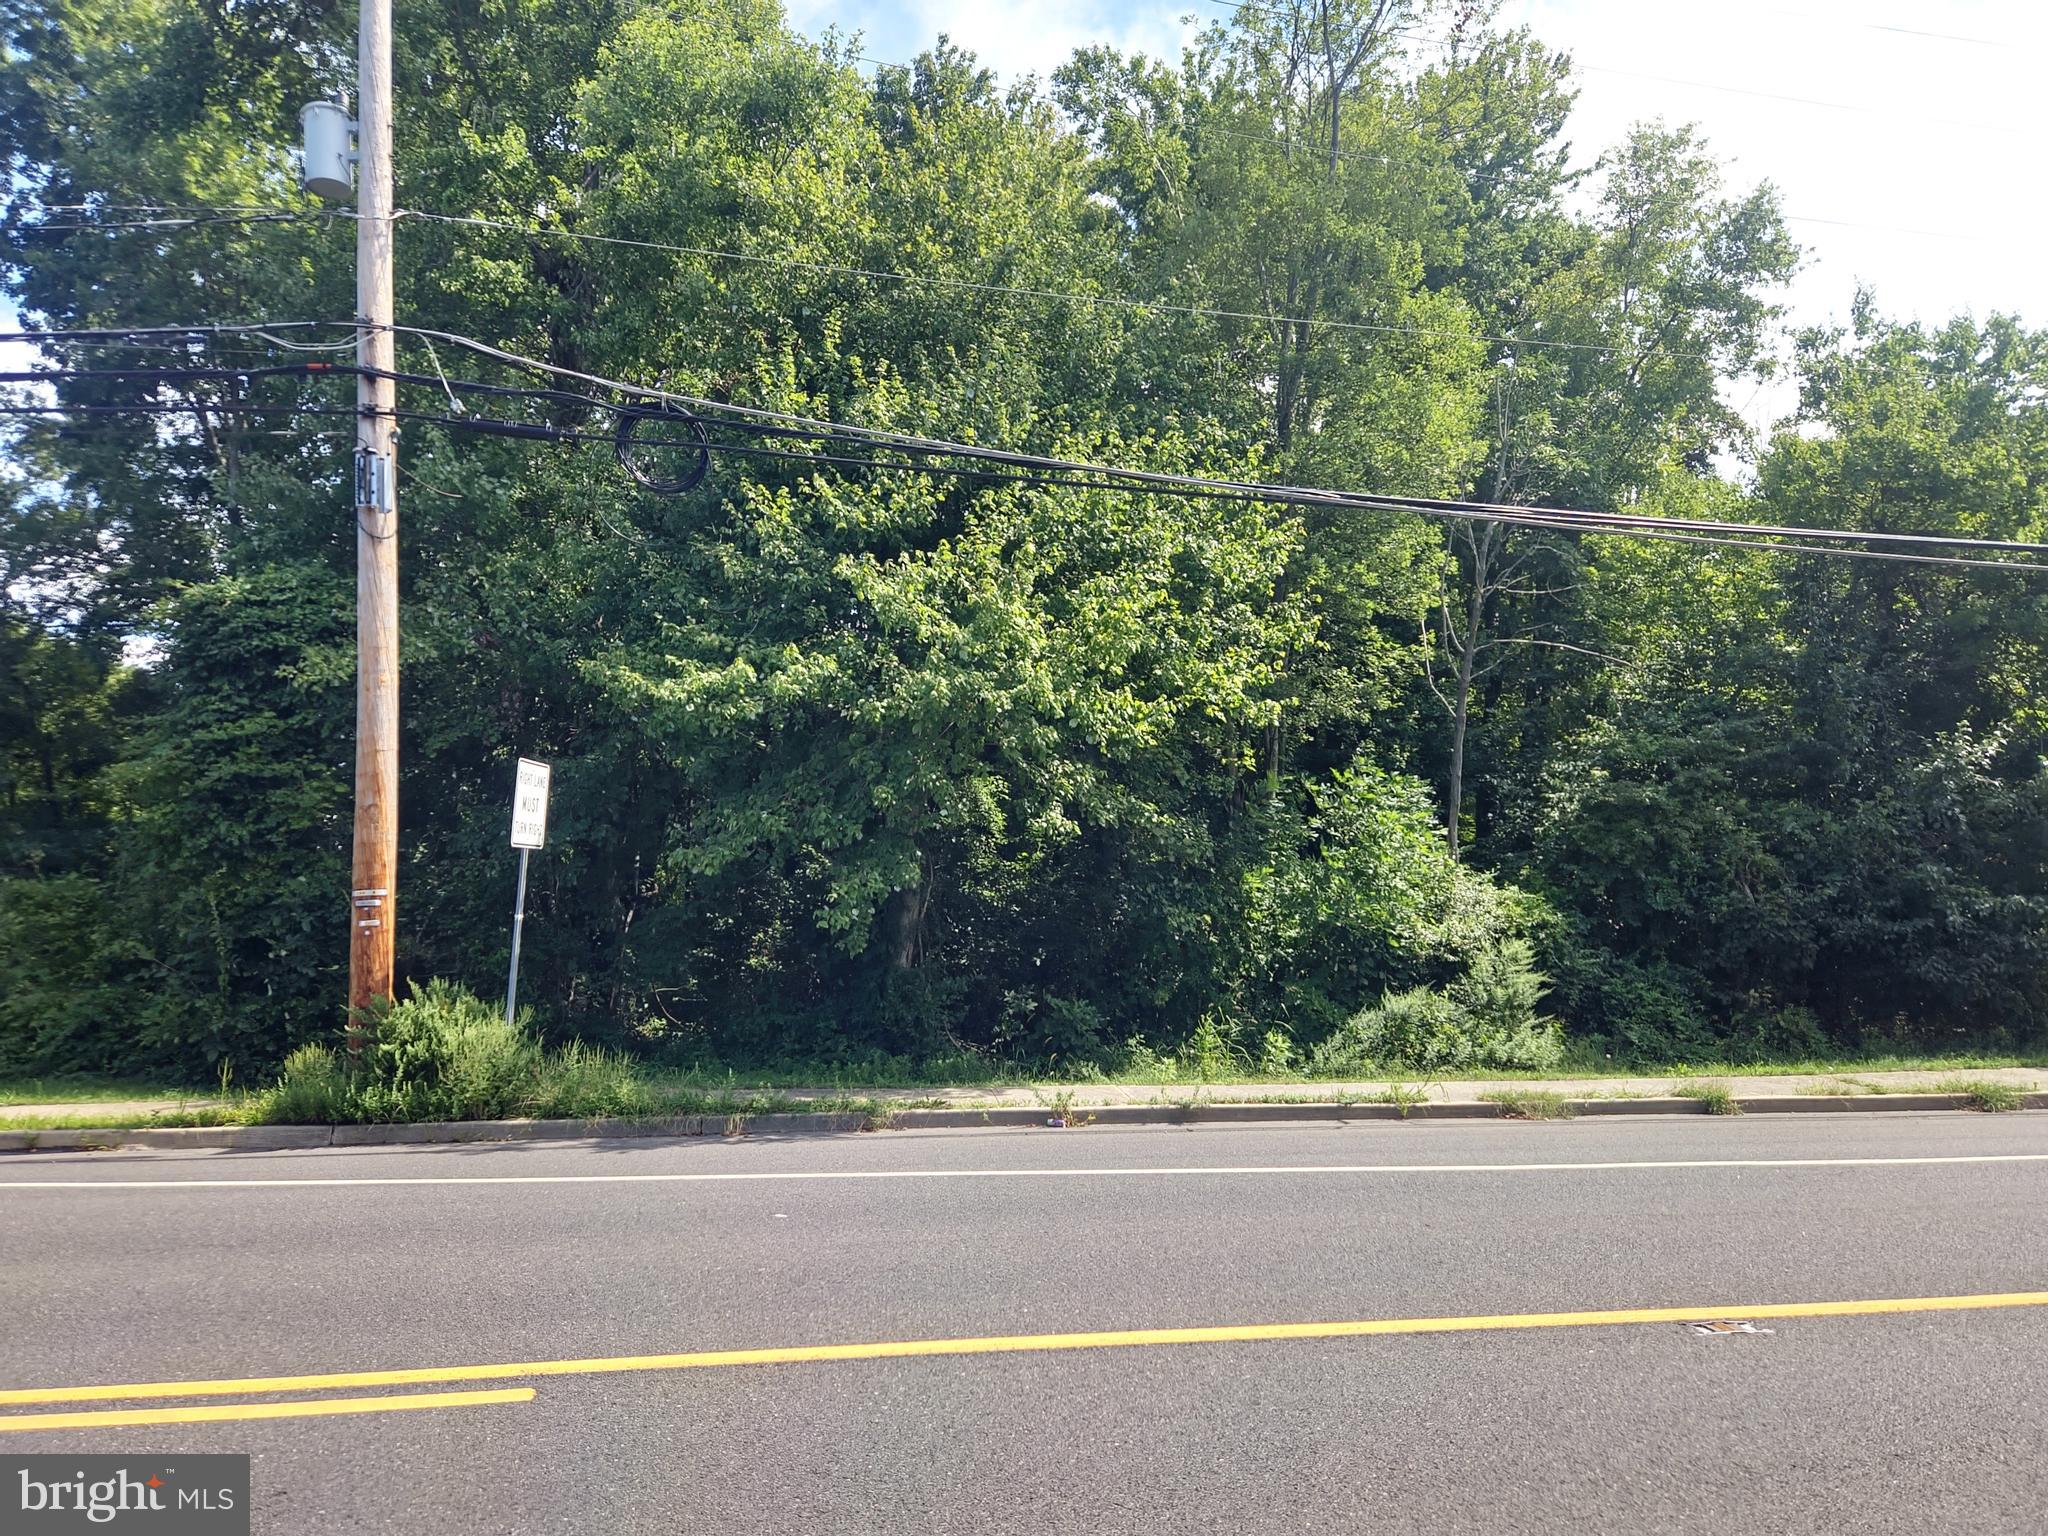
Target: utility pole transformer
374,898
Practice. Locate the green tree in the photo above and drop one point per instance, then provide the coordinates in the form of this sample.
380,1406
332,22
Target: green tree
1820,797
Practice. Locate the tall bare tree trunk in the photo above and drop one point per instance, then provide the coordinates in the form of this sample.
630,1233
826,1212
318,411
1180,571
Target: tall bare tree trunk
1461,702
903,920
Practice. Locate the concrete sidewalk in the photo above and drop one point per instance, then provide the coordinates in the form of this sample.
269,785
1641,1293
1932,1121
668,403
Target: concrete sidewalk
1167,1104
1461,1091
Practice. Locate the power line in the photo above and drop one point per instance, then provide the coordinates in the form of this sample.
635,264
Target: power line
1888,229
191,218
1836,24
1298,495
1127,482
1945,37
1993,129
1016,291
1082,474
183,221
809,430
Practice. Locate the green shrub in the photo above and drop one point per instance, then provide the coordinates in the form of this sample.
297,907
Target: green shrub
1502,989
1498,998
1140,1060
1776,1034
1055,1031
1419,1030
445,1054
313,1090
65,959
1641,1012
1487,1019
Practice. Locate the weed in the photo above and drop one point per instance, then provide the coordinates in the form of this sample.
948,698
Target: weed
1984,1093
1064,1113
585,1082
1531,1104
1402,1098
1276,1054
1713,1097
1213,1050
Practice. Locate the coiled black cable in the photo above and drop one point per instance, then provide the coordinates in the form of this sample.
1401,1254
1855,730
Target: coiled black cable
630,419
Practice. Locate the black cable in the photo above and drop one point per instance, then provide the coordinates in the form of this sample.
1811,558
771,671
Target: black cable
1532,517
1120,478
1055,471
630,418
182,408
1297,495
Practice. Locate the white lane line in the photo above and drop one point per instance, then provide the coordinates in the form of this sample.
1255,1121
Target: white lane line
1028,1173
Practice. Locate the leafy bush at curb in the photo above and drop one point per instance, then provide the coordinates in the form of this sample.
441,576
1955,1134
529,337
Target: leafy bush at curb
444,1054
1487,1019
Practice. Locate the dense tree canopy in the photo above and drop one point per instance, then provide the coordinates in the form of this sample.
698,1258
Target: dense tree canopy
855,761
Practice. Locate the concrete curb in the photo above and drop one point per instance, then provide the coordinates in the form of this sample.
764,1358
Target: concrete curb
270,1138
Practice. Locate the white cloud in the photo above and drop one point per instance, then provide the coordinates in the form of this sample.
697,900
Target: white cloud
1918,179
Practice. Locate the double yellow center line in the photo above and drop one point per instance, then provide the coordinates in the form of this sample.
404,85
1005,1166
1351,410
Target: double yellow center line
1252,1333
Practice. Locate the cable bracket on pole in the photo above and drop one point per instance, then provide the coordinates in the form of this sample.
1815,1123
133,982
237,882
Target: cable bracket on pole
373,482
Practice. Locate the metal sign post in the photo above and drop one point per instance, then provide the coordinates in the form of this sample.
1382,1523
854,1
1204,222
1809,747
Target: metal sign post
529,831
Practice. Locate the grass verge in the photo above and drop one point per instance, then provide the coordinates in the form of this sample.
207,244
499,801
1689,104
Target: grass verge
87,1090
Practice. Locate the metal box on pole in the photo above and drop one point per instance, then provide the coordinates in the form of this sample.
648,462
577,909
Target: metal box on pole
327,171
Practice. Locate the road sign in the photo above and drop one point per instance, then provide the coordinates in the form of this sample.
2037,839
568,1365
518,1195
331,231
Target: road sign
530,805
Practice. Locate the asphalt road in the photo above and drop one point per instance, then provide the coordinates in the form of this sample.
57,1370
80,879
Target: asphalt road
197,1268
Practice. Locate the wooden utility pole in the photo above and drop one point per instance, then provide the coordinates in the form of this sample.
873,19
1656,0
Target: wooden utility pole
374,898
